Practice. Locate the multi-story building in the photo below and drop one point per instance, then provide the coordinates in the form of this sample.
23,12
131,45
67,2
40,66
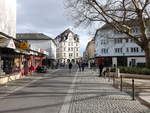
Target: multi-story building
8,17
91,49
7,34
68,46
89,54
117,48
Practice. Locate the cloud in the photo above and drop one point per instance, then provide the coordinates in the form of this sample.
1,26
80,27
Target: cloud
46,16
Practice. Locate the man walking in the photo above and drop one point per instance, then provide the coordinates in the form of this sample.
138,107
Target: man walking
79,65
100,65
82,66
70,66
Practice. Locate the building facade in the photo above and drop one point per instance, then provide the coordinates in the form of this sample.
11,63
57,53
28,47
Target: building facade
8,17
7,29
41,41
91,49
68,47
89,54
117,48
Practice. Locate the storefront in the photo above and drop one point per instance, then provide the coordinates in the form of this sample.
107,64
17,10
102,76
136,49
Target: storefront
18,57
7,56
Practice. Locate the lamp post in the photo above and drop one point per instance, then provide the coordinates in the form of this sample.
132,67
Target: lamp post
124,60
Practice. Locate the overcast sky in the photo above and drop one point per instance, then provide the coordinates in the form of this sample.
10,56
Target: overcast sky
47,16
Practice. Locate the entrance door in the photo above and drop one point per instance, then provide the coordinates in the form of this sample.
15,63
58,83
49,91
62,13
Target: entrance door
108,61
122,61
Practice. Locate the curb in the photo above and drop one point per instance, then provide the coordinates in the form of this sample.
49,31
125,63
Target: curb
143,101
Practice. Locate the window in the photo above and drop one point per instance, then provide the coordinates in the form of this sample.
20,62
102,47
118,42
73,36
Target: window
103,42
132,50
72,49
117,41
104,51
135,50
142,50
127,49
64,49
77,49
135,30
70,54
64,54
118,50
69,49
127,40
77,54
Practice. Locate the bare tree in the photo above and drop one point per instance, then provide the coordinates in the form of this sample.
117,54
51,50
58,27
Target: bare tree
119,14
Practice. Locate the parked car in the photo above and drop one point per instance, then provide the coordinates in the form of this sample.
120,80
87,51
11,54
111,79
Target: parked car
41,69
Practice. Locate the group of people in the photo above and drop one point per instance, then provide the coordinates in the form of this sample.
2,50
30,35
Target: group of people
81,65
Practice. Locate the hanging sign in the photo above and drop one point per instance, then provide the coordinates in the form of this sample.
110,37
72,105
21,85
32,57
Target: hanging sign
24,45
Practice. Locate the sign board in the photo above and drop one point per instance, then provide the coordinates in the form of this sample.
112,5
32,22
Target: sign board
24,45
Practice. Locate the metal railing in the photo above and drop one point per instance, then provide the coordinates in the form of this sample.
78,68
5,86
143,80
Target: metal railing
120,82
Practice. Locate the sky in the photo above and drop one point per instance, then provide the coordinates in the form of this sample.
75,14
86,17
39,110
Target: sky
48,17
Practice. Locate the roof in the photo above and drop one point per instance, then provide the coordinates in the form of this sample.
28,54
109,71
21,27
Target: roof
32,36
130,23
64,35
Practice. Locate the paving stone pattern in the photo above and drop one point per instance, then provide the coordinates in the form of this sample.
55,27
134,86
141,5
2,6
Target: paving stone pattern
93,94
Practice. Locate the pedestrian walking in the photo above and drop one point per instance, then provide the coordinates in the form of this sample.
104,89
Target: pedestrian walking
100,65
70,66
82,66
31,69
79,65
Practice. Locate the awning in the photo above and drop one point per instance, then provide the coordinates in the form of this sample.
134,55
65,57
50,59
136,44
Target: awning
8,43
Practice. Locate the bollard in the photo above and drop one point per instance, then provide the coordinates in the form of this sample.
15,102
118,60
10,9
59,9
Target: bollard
121,84
133,90
118,72
113,79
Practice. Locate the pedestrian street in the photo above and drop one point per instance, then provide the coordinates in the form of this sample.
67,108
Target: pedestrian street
93,94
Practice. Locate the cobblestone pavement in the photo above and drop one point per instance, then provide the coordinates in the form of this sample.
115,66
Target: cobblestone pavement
93,94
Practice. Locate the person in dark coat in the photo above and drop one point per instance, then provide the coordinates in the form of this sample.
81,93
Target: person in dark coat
79,65
70,66
82,66
100,65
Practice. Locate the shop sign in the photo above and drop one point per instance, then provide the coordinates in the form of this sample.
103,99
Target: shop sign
9,43
24,45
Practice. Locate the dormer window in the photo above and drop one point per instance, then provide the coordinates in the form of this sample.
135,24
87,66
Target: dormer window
135,30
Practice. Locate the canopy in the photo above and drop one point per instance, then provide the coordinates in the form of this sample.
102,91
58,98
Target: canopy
8,43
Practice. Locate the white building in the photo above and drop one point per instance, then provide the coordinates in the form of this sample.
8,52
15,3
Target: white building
68,46
7,32
117,49
42,41
8,17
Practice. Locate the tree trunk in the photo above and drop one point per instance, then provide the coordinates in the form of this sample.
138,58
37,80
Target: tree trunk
147,56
